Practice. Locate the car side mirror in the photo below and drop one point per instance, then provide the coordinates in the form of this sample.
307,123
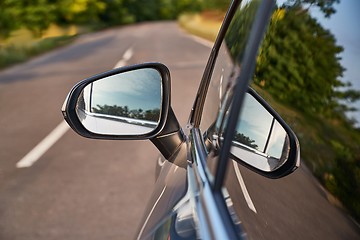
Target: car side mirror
263,141
125,103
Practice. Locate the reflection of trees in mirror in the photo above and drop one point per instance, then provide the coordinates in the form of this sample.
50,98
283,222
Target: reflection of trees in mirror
150,114
240,29
241,138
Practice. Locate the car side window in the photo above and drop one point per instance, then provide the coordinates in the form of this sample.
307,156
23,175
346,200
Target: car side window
225,71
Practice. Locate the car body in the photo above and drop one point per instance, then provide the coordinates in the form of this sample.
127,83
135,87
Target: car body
229,124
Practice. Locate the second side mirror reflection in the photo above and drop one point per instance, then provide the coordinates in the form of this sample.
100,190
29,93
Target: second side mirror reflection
260,140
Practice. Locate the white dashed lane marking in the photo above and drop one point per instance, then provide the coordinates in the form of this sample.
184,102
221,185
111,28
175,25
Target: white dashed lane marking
243,187
40,149
126,57
43,146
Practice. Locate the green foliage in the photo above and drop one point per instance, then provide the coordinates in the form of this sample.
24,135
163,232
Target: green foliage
9,10
115,13
150,10
299,64
336,166
217,4
330,148
37,15
344,179
240,29
326,6
78,11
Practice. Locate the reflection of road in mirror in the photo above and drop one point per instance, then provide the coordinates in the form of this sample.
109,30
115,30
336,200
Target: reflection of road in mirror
101,125
255,159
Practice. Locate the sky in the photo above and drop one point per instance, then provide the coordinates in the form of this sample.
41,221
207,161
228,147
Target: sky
137,89
345,26
256,123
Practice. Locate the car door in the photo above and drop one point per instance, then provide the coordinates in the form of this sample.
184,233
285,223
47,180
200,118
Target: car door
205,209
223,107
227,67
190,200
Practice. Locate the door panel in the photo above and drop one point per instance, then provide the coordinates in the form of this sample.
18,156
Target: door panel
226,70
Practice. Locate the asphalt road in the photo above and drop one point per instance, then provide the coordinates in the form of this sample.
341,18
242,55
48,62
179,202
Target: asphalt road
91,189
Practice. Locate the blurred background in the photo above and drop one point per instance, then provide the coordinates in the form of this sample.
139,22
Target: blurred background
311,53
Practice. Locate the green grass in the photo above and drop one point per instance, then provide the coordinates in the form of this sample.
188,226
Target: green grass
13,54
21,45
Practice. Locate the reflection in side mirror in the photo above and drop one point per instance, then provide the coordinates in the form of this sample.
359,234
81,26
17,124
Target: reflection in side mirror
260,140
127,103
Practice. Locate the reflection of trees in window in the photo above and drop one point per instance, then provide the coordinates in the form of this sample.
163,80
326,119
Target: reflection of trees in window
241,138
239,30
150,114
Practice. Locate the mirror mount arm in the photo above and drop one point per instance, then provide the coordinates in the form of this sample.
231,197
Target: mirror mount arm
170,138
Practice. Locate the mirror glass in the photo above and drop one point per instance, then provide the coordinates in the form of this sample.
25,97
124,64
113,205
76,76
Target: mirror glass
127,103
260,140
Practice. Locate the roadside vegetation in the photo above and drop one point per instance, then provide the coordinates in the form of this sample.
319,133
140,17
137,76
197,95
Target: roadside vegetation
299,66
13,54
206,24
305,88
37,16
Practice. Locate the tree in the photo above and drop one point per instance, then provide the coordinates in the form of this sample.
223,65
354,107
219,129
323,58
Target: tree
9,11
152,115
79,11
218,4
326,6
344,180
240,29
299,63
116,13
144,10
241,138
149,10
36,15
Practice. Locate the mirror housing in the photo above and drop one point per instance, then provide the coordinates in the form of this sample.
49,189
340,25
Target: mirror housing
264,142
75,112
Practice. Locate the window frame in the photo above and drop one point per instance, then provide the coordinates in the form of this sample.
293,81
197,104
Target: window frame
241,86
242,82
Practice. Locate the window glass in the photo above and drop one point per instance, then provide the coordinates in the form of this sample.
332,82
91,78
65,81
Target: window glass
226,69
251,129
